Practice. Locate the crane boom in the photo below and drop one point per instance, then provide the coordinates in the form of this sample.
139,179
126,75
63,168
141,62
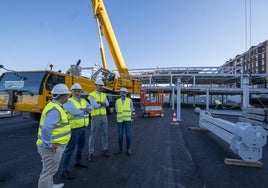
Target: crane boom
107,30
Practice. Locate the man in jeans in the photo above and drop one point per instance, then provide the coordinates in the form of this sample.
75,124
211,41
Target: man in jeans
98,119
78,114
124,109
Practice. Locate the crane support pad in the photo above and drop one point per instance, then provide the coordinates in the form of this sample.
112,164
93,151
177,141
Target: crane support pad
239,162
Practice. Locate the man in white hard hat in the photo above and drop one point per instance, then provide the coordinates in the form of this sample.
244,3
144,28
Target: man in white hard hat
124,109
78,114
54,134
98,119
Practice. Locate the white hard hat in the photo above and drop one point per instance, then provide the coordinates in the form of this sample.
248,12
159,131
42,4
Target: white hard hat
60,89
76,86
123,89
99,82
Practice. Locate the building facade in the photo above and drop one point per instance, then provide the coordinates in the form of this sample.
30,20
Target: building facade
253,61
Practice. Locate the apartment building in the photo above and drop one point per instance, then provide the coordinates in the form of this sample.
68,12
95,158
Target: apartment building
253,61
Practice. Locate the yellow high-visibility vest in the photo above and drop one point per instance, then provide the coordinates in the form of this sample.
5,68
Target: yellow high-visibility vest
217,102
61,134
98,98
123,110
78,121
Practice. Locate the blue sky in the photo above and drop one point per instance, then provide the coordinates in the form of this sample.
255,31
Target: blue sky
159,33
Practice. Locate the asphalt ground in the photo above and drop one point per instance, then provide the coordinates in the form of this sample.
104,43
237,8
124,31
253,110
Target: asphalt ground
163,156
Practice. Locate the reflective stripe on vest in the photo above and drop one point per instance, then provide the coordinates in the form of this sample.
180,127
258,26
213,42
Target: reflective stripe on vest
78,121
98,98
61,133
123,110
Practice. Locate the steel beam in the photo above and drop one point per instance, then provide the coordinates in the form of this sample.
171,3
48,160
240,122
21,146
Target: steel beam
244,139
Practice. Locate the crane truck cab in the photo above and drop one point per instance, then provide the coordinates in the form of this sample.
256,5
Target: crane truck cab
30,91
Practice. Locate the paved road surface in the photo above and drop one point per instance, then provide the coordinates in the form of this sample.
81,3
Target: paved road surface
164,156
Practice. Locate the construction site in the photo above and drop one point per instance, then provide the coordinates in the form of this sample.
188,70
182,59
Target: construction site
191,127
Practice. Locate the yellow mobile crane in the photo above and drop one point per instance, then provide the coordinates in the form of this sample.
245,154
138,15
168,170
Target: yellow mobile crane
30,91
105,29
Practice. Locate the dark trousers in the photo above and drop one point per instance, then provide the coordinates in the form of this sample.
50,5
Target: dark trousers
77,141
125,125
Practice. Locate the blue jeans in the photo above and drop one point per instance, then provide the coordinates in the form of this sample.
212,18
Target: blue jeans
78,140
121,126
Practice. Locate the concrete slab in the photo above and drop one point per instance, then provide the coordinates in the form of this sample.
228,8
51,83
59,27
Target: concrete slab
163,156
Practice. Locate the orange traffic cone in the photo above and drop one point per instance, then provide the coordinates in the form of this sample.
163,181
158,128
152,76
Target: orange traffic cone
174,119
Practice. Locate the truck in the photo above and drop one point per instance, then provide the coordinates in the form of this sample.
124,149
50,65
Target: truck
30,91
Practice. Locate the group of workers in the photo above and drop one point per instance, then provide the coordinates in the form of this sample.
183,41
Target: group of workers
63,128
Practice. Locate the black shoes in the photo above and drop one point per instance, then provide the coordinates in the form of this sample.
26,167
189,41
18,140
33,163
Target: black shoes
78,165
118,152
128,152
2,179
67,175
106,153
90,158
